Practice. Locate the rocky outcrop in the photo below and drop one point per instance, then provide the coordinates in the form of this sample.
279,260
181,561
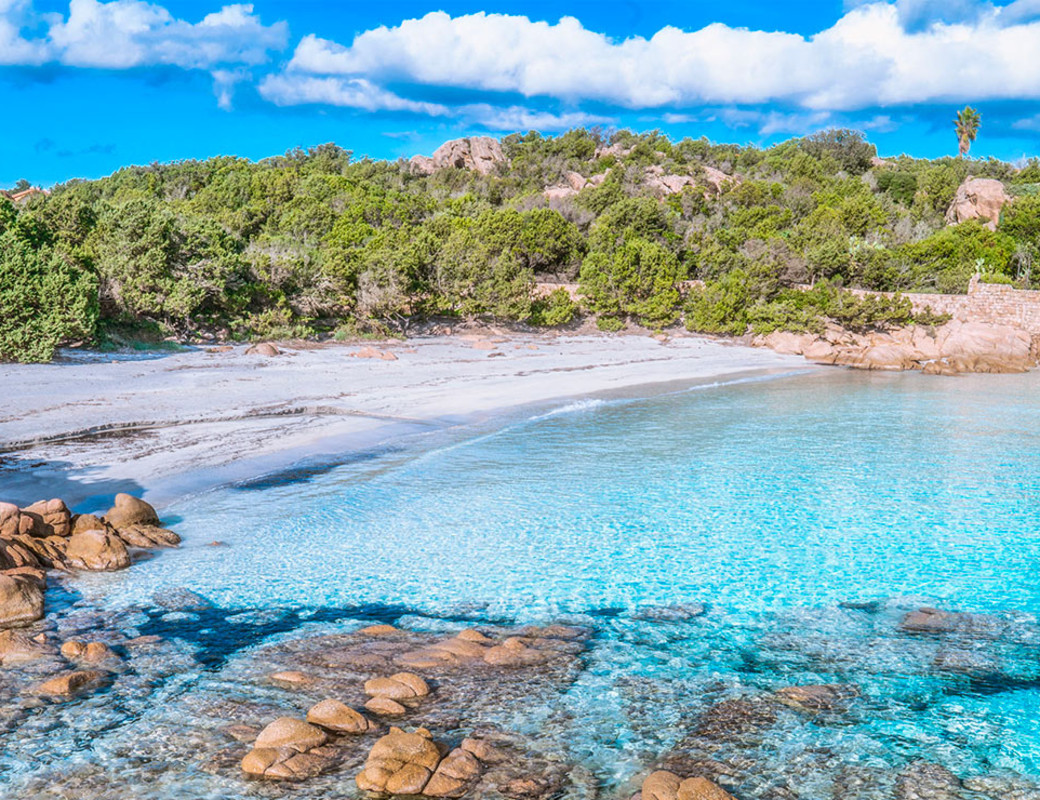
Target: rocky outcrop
46,535
712,183
332,715
288,749
403,763
402,686
263,349
21,598
476,153
96,550
372,352
573,183
137,524
978,198
954,348
49,517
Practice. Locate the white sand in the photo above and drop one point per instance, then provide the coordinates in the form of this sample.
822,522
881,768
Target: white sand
167,421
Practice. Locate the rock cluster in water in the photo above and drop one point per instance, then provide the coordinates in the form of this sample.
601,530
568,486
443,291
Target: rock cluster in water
486,712
46,535
471,667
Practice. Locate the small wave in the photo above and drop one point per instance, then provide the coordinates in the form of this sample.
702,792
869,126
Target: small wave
571,408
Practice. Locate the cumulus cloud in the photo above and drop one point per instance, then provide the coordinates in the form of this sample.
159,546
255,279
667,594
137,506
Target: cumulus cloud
290,90
14,49
121,34
872,56
518,118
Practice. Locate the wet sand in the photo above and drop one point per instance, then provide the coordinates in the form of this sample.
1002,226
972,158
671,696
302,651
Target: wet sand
96,424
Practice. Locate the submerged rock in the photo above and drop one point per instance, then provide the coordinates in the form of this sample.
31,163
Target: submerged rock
923,780
180,599
90,652
818,697
729,719
680,612
292,679
70,683
937,621
18,648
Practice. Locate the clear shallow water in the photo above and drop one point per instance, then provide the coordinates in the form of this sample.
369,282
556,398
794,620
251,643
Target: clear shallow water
794,492
770,501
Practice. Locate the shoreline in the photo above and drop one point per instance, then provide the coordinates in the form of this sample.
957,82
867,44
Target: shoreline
167,426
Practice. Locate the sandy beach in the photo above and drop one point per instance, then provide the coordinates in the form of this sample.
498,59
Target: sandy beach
96,424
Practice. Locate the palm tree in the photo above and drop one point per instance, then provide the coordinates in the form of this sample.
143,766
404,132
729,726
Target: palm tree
967,125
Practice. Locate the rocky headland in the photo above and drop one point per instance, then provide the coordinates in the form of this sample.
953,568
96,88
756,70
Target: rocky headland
952,348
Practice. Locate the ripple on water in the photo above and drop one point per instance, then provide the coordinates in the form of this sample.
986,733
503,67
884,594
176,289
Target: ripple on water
808,515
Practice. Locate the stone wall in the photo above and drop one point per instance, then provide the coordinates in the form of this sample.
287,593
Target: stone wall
996,304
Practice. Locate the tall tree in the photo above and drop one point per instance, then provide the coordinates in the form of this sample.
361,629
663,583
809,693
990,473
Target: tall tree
967,126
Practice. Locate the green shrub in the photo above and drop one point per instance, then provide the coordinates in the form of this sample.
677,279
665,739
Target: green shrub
639,279
901,186
720,306
45,301
610,324
554,310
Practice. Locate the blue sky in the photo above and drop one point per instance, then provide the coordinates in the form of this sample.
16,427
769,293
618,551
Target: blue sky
92,85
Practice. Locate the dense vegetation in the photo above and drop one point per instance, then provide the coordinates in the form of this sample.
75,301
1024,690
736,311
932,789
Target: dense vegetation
317,243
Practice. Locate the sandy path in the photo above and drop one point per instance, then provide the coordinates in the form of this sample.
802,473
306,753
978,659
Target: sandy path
100,426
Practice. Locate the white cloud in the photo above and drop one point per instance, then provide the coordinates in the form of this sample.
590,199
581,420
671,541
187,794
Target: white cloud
293,90
121,34
14,49
224,83
1028,124
518,118
867,58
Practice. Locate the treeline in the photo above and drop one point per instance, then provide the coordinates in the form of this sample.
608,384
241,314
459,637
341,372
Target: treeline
318,243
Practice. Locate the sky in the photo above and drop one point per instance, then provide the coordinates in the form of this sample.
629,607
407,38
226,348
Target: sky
89,86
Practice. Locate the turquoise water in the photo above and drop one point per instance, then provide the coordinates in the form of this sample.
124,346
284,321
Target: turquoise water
773,502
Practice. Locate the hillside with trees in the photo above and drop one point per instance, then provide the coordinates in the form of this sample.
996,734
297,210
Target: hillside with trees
316,243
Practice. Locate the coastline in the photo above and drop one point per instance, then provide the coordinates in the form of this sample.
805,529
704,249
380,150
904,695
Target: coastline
164,426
